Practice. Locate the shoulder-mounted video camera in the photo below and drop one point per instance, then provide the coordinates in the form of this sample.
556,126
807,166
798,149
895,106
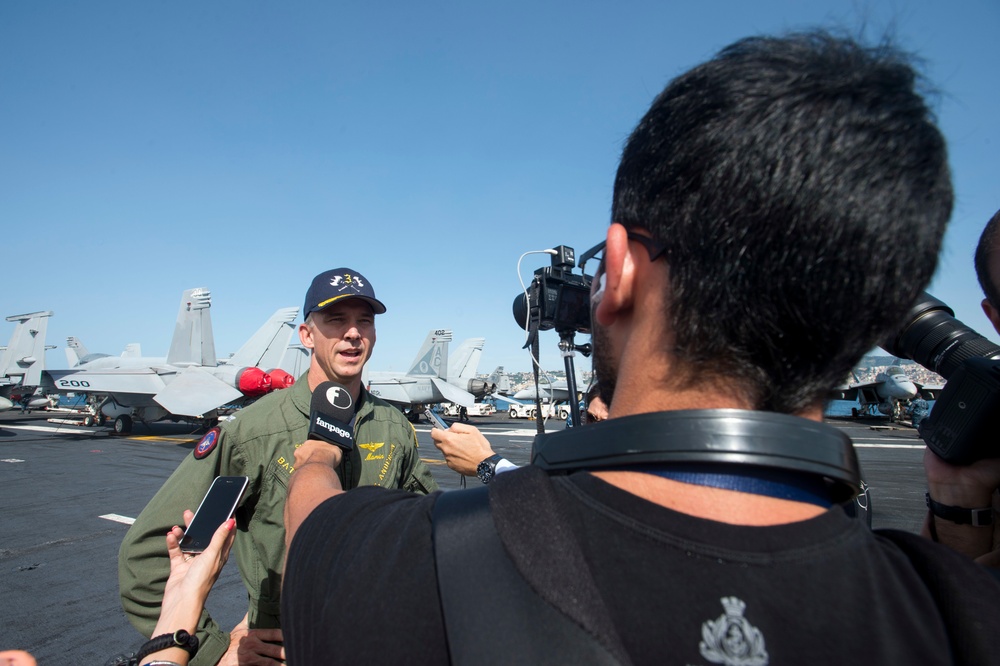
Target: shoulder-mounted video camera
962,427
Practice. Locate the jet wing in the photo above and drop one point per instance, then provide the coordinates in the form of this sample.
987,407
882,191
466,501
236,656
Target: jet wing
195,391
391,391
452,393
138,381
844,393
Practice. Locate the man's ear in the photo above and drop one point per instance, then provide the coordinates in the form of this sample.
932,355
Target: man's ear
305,335
992,314
619,273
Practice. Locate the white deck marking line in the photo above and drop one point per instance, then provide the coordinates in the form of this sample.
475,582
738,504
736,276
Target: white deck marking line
888,446
118,519
11,460
75,431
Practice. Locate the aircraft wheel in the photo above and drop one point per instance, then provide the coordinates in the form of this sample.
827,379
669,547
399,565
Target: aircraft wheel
102,419
123,424
88,421
211,423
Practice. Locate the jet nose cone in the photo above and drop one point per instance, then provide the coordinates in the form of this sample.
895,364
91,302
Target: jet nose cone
901,389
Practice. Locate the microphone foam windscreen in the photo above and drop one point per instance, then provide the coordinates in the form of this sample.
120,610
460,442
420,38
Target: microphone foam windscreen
330,415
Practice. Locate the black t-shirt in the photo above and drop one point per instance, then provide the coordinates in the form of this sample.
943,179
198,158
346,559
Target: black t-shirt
361,585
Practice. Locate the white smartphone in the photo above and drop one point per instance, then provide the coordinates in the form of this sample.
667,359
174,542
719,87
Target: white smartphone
216,508
436,421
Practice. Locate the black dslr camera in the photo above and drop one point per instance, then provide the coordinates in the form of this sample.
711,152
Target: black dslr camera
557,298
962,426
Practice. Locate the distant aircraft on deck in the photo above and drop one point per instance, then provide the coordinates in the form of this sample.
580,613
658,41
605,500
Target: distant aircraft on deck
887,395
498,381
189,384
557,391
428,382
23,360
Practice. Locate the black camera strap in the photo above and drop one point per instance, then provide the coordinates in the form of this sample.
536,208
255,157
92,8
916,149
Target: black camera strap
732,437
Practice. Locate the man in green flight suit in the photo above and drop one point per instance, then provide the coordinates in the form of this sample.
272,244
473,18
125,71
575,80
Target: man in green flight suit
260,443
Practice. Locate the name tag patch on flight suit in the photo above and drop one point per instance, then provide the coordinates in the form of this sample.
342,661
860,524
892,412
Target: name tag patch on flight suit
207,444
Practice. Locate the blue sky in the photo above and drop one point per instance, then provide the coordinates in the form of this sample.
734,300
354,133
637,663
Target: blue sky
246,145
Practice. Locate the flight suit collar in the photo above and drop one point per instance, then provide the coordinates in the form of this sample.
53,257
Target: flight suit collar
301,395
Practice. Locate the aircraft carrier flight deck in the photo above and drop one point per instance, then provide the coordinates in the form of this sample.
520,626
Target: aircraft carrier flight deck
70,492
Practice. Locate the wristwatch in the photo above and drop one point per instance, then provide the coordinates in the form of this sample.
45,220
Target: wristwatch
960,515
487,469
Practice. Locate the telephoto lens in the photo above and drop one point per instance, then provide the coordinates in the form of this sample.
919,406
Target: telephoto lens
936,340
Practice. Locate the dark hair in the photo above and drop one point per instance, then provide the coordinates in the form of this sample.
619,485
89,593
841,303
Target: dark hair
988,242
801,190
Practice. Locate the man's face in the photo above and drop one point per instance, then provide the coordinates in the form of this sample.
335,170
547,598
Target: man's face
342,337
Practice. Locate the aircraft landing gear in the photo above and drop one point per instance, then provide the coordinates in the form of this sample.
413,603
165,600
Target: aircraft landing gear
123,424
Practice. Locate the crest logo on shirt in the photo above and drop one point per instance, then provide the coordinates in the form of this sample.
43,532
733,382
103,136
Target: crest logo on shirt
206,444
371,448
731,640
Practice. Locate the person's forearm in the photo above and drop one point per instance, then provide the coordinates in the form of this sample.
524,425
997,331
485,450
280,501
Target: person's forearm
311,484
965,487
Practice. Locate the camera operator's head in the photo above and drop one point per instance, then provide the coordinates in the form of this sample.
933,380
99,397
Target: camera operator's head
790,196
988,269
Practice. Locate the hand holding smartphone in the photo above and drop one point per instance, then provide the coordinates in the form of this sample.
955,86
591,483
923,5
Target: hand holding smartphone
216,508
436,421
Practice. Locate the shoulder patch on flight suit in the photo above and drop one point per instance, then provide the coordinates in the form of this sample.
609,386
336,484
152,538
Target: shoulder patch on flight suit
207,444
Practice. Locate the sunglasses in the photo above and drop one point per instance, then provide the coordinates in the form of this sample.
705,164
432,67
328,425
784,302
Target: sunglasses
655,250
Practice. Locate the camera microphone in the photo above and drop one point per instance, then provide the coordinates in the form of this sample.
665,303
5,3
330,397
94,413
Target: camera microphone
330,415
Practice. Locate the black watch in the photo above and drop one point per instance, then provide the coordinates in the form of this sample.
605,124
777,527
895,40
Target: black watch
487,469
960,515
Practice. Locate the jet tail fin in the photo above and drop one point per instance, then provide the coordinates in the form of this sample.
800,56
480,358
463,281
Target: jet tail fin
75,351
499,381
193,342
267,346
24,355
465,359
432,359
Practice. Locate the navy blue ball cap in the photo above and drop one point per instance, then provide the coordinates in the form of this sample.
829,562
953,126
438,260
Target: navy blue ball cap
339,285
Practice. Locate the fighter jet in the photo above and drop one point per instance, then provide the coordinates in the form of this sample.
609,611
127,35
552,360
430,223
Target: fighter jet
77,355
498,382
22,361
190,383
557,391
426,382
887,395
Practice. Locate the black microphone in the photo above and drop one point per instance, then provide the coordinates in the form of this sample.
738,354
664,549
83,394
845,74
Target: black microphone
330,415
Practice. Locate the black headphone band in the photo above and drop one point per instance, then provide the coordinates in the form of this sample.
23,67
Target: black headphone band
766,439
